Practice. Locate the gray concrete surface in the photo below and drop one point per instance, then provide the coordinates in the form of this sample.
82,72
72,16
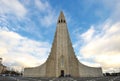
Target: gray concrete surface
10,78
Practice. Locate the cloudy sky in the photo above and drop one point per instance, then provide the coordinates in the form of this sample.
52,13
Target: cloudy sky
27,30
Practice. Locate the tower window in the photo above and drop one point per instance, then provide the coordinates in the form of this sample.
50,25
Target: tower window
59,21
64,21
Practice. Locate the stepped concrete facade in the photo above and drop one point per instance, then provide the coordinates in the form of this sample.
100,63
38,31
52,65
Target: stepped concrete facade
62,60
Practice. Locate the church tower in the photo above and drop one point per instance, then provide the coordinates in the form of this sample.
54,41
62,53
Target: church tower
62,60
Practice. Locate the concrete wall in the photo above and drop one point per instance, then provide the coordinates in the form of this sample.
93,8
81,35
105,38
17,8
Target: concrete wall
86,71
2,68
39,71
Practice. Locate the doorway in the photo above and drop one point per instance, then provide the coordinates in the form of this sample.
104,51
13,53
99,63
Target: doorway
62,73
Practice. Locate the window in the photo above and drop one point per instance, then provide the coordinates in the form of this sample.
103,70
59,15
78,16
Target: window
62,61
59,21
64,21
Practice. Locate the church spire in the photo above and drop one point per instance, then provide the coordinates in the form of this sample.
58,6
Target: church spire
62,60
61,18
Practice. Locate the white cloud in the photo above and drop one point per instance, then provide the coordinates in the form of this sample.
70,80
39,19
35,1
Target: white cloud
42,6
49,19
103,46
91,64
12,7
113,6
88,35
49,16
20,51
101,42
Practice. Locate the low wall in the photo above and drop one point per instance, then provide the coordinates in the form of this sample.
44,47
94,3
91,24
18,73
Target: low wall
39,71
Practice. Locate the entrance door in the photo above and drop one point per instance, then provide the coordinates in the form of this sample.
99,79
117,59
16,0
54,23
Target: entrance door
62,73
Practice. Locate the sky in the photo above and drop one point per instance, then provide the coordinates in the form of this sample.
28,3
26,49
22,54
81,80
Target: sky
27,29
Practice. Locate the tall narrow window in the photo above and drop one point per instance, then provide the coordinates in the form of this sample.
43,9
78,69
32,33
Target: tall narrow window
62,61
59,21
64,21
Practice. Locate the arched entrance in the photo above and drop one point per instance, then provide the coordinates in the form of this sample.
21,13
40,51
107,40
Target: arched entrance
62,73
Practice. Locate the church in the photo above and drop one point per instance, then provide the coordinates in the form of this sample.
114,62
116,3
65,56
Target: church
62,60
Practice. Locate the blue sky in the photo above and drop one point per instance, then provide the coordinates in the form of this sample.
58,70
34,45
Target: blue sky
27,30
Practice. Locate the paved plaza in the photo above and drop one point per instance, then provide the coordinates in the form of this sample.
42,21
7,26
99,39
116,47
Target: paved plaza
9,78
